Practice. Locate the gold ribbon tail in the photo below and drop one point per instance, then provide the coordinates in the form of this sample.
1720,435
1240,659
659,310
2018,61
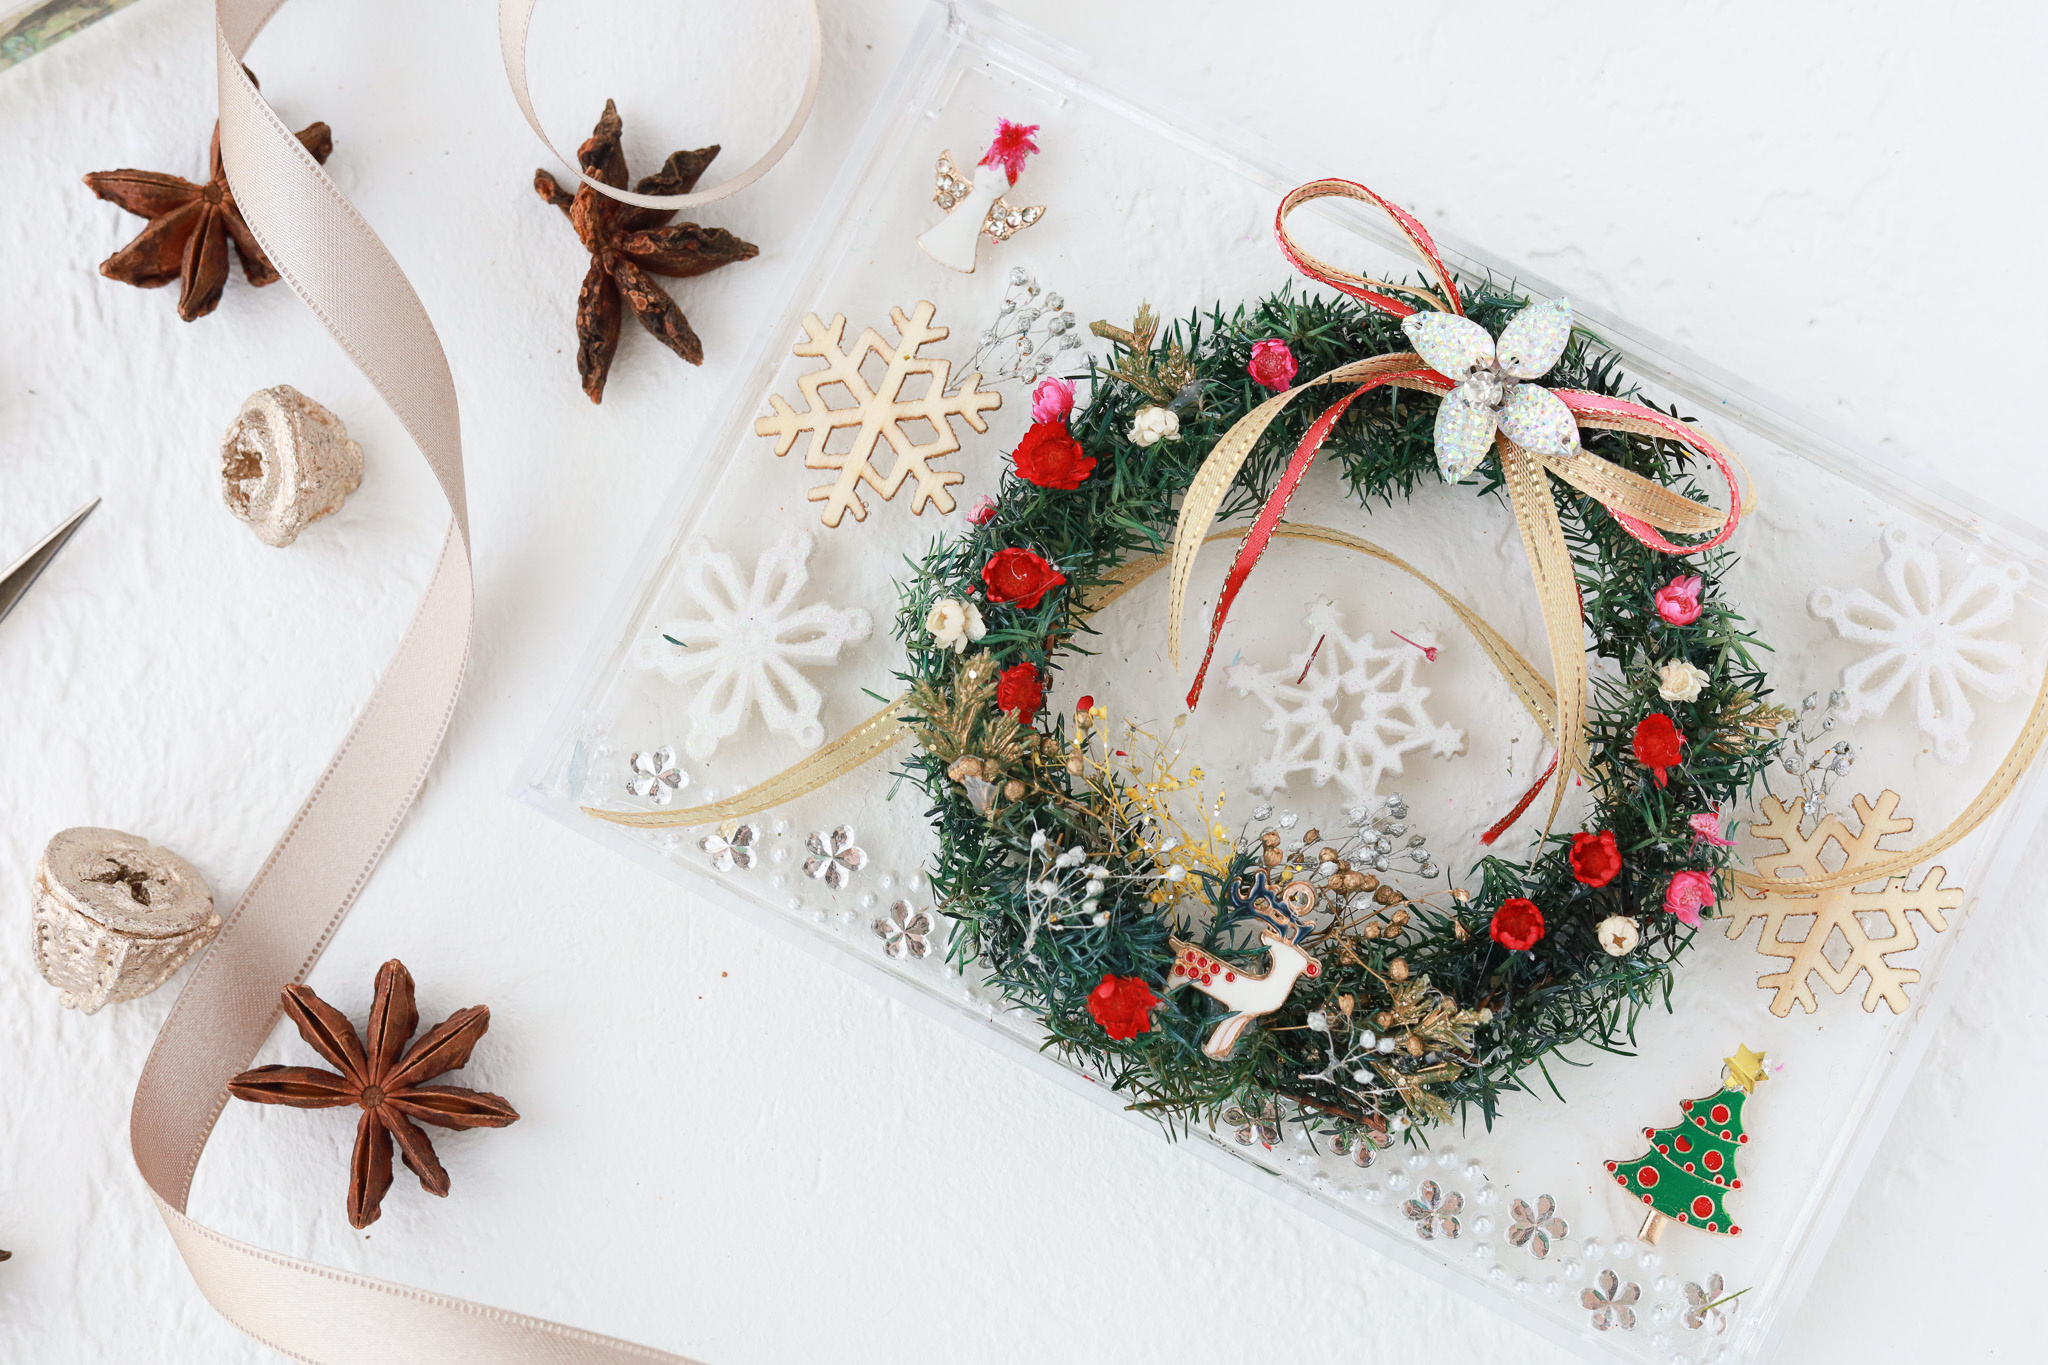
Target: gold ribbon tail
1557,592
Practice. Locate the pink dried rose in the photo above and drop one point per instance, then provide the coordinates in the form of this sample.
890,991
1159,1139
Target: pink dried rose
983,512
1678,601
1707,826
1273,365
1052,400
1689,890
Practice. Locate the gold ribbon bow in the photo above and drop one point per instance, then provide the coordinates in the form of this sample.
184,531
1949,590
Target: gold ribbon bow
1641,505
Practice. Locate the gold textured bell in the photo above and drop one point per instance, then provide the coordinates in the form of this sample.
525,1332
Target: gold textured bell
114,917
285,463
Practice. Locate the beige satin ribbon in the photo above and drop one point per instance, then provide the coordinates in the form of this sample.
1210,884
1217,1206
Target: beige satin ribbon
331,259
881,731
515,16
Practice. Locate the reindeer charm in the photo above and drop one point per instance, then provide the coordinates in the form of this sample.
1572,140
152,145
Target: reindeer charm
1247,995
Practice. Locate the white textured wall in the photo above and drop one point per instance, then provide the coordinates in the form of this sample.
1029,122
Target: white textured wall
729,1149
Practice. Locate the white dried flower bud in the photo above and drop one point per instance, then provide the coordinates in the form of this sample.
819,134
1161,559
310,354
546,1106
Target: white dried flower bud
955,623
1618,935
1680,681
1153,425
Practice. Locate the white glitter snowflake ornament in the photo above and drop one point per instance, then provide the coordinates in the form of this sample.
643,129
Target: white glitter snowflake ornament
1492,394
1927,636
747,642
1335,674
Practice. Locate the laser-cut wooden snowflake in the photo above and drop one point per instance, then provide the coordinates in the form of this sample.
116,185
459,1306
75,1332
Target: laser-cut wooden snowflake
1848,911
878,414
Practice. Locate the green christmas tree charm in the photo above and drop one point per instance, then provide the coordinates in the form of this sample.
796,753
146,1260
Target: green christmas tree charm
1691,1165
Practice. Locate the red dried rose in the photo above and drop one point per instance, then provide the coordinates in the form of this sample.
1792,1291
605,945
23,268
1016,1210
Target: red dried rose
1020,576
1020,692
1273,365
1123,1005
1050,457
1595,859
1658,744
1518,924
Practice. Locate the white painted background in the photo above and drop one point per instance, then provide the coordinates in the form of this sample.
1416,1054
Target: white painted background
728,1149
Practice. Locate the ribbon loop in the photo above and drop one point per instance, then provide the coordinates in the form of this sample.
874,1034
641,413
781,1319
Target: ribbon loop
1378,293
1642,507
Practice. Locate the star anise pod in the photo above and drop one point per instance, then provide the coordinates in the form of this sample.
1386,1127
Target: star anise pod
630,245
189,228
387,1086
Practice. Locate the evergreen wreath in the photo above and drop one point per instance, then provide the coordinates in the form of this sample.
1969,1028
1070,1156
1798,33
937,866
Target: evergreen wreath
1424,1008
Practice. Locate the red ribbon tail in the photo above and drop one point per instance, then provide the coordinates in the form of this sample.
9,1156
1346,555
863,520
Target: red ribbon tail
1528,797
1263,526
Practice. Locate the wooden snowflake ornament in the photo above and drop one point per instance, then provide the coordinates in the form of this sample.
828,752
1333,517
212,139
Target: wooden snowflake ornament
879,413
1846,913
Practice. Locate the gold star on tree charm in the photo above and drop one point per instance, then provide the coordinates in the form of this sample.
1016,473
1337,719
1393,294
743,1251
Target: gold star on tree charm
1746,1068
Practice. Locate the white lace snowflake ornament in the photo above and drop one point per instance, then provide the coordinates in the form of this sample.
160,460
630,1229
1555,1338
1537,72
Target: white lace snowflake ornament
1927,637
746,644
1335,673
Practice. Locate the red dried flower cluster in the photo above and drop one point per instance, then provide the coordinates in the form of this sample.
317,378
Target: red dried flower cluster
1050,457
1596,860
1658,745
1518,924
1020,692
1020,576
1123,1005
1273,365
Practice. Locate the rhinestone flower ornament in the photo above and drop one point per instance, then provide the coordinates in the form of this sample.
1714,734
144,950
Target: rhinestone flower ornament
1361,1144
1493,393
1703,1306
1259,1126
731,851
1434,1212
834,857
905,932
656,776
1535,1228
1612,1303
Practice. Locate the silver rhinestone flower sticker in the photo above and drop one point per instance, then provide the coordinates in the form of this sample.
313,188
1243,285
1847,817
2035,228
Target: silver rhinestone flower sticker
1260,1126
1434,1212
1535,1228
905,932
1492,394
1613,1303
1361,1144
1702,1306
730,851
834,858
656,776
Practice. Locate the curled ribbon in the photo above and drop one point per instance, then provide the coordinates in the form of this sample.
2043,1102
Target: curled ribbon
1643,507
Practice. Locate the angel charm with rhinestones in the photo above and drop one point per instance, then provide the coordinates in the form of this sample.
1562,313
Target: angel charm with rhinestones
975,207
1493,393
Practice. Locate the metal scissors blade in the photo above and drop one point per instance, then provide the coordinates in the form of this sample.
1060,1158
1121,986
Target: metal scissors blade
30,566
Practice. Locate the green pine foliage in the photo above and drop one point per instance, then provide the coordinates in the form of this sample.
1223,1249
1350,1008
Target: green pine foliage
1556,1004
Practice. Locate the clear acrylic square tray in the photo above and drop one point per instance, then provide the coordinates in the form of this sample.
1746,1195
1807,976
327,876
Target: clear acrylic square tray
1149,202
